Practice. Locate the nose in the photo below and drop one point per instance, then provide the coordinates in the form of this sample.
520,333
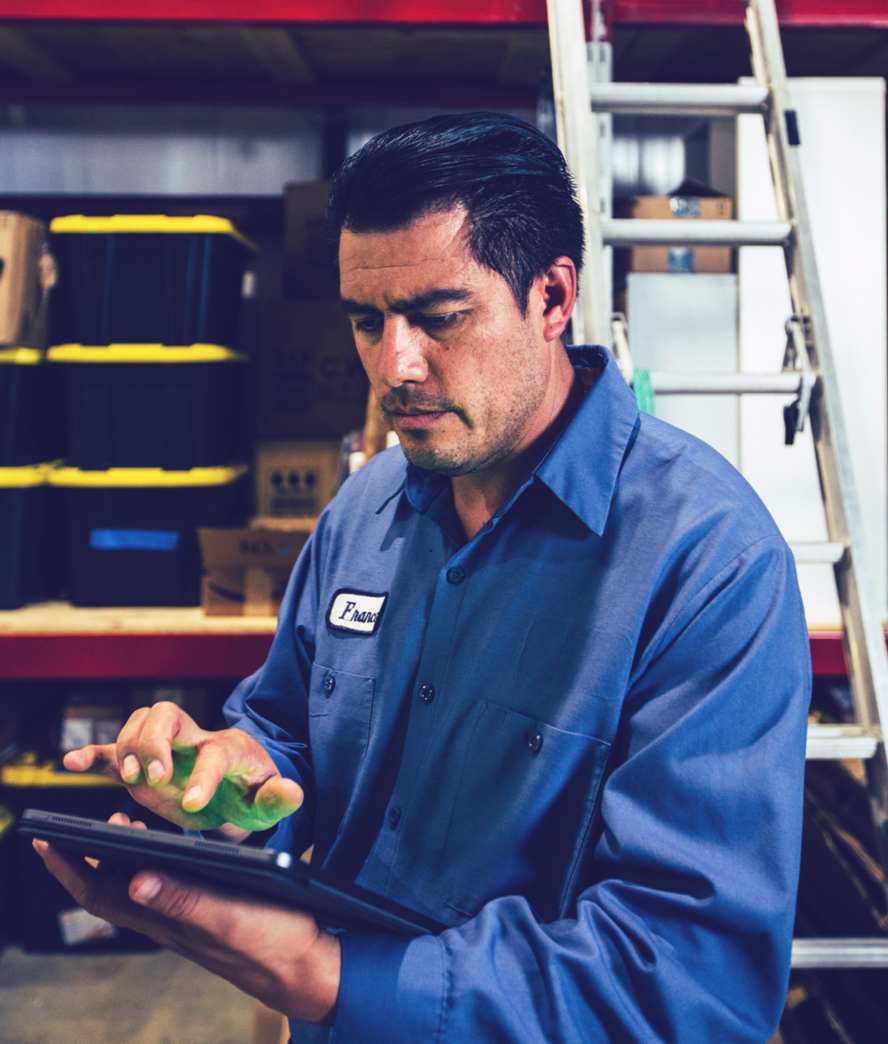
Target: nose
401,358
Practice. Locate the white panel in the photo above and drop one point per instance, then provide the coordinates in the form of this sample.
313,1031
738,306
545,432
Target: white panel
842,126
688,323
195,152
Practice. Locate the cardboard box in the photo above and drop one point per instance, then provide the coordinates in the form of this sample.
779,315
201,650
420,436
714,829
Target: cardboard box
296,479
681,259
309,381
307,273
21,241
246,570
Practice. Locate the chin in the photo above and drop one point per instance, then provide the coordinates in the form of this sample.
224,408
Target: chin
441,462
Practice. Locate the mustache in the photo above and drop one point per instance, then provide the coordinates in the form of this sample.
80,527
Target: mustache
407,399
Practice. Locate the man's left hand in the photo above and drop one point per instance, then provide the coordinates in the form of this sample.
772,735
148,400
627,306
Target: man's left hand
274,953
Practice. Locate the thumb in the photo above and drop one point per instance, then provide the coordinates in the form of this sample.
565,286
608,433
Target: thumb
165,895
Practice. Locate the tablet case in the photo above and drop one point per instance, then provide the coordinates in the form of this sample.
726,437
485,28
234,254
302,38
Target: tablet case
261,872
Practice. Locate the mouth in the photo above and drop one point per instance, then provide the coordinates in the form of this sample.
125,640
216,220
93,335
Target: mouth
415,420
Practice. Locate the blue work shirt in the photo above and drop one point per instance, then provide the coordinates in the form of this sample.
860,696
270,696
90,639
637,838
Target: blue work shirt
578,738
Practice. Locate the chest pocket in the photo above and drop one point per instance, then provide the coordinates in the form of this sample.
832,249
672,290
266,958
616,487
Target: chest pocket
522,813
340,708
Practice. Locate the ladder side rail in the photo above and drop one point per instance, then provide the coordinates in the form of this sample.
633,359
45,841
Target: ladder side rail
570,88
863,633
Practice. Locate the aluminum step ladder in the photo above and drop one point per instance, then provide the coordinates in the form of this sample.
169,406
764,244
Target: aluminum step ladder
808,367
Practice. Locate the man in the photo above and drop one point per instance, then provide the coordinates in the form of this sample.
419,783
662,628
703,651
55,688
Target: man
545,680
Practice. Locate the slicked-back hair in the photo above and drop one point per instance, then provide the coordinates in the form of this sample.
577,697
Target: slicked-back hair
511,179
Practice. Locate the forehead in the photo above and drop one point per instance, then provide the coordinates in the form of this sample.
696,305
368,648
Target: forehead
430,252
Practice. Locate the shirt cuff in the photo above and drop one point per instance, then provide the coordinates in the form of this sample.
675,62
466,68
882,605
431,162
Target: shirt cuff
391,990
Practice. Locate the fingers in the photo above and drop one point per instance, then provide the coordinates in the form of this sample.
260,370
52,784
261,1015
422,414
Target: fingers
212,765
94,758
100,894
278,798
256,796
146,743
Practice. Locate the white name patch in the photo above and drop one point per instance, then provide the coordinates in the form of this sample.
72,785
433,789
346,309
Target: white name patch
356,612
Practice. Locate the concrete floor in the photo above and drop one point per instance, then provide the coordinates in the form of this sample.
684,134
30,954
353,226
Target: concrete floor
144,998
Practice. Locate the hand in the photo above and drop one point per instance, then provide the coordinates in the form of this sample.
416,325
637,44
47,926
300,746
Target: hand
196,779
274,953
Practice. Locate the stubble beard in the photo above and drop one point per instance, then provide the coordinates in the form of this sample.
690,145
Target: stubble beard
470,452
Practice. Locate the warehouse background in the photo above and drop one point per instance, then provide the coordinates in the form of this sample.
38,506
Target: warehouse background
105,112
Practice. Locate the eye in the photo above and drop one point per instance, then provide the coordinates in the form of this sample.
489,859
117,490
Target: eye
368,325
438,322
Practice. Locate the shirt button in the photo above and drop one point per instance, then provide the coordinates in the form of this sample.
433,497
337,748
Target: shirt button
456,575
329,684
394,816
426,694
534,742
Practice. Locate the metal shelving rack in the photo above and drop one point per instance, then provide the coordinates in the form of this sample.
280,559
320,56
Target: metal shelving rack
60,642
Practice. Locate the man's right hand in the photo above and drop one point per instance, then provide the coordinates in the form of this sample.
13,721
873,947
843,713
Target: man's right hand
197,779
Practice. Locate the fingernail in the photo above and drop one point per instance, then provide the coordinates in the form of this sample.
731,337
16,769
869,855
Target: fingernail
130,767
153,770
192,797
147,890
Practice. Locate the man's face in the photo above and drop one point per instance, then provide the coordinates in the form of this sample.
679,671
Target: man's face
459,373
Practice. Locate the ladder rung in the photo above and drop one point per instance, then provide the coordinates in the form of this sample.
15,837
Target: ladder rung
840,953
627,232
667,382
679,99
814,553
836,742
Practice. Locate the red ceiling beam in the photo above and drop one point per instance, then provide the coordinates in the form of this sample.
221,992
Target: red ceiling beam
813,13
822,13
404,12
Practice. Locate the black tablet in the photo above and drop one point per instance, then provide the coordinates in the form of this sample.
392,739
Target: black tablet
261,872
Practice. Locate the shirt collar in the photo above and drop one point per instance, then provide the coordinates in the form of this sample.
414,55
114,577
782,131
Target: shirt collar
582,466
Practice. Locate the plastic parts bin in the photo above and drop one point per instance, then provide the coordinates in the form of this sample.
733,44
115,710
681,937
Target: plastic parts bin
31,424
147,279
132,532
149,406
31,545
45,919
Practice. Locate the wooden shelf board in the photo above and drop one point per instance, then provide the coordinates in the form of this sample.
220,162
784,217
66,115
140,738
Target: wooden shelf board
56,618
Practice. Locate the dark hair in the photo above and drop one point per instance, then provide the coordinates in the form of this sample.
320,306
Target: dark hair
510,177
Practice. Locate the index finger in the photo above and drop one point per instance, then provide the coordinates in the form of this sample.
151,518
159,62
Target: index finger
146,742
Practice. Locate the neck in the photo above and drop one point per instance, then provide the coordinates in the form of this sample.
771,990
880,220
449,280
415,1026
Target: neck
480,494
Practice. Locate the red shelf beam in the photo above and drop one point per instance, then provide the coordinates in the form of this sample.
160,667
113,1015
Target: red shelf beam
60,656
820,13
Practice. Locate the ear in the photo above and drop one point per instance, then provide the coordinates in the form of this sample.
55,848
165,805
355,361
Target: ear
559,294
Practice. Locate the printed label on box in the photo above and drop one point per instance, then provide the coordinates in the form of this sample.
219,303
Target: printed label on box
78,926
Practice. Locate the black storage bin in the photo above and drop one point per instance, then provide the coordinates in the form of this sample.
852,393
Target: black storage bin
31,428
44,917
7,893
31,537
132,406
147,279
132,532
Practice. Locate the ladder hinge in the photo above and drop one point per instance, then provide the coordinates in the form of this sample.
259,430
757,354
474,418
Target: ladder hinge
796,358
792,127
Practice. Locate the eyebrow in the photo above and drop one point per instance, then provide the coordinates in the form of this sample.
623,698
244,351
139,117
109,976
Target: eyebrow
444,295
